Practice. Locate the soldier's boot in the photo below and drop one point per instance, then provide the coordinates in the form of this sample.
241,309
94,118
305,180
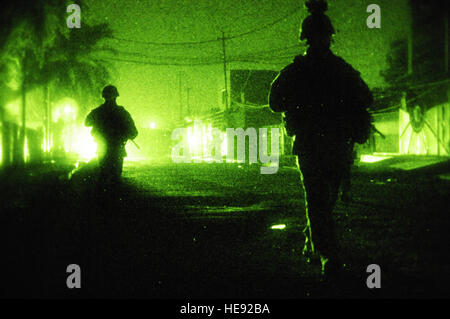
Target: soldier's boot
332,267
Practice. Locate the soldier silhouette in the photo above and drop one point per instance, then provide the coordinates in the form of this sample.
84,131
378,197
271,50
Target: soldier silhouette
346,182
325,101
112,127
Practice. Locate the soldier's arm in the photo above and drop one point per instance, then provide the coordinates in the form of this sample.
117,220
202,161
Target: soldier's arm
132,130
361,95
360,99
89,119
281,91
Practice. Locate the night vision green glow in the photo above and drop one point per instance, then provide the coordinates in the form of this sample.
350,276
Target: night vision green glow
200,136
13,108
66,111
25,151
83,143
279,227
158,149
417,163
373,158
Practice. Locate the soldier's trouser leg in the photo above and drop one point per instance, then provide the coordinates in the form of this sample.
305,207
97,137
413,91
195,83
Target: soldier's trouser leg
111,166
117,167
103,170
320,189
346,179
347,163
336,174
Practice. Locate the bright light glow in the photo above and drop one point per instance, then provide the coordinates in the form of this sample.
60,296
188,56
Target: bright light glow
195,140
66,110
56,115
83,143
26,155
373,158
13,108
225,144
280,226
411,142
46,141
152,125
201,141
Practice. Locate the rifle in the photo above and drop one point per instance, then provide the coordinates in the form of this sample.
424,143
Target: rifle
135,144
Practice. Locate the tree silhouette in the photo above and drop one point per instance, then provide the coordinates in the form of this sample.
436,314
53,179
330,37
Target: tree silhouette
49,54
71,68
27,30
397,60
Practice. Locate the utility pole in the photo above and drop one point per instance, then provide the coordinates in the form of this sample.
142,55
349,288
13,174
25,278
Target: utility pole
179,96
48,119
410,53
439,110
23,130
187,98
446,41
3,133
225,70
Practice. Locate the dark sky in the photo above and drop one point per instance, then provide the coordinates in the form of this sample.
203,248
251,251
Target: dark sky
151,92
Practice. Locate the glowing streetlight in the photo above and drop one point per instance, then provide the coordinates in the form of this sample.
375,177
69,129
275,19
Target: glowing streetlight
279,227
373,158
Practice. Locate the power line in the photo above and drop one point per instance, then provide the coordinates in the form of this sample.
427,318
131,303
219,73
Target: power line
199,63
264,26
210,40
158,63
166,43
260,57
159,57
225,70
202,61
263,54
274,63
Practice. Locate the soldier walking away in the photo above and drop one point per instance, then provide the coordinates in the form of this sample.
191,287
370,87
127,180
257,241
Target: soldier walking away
325,103
112,127
346,181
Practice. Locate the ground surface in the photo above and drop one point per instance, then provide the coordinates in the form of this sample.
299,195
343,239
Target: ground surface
203,231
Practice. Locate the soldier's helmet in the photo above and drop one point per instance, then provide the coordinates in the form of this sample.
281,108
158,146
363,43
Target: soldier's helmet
316,25
110,92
